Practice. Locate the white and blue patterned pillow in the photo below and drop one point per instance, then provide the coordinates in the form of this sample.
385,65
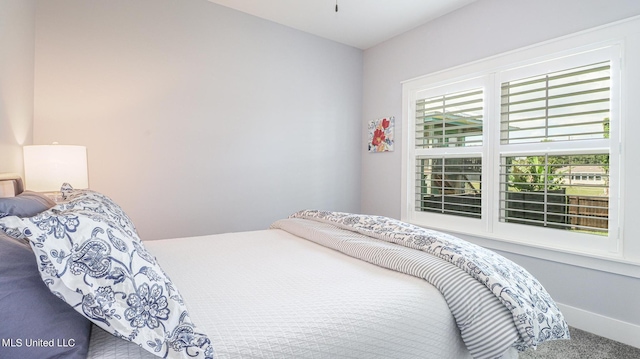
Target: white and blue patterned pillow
89,255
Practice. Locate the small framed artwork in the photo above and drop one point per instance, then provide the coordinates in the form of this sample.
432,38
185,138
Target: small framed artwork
381,134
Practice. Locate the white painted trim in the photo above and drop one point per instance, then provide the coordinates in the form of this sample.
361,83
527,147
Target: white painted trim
619,266
614,329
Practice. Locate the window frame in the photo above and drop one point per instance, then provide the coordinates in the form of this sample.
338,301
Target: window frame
450,152
540,236
609,40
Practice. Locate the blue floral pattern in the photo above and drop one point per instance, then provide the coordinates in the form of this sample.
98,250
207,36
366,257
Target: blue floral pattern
89,255
147,307
535,314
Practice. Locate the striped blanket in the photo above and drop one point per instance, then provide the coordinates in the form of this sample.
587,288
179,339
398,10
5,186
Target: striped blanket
495,302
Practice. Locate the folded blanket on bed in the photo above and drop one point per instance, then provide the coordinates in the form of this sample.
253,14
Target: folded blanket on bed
533,312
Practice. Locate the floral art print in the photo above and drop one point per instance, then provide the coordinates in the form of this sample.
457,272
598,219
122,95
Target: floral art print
381,134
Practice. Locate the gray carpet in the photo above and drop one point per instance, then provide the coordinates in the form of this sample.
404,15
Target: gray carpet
583,345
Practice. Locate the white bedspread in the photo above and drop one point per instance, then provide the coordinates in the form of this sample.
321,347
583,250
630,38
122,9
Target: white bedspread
270,294
534,313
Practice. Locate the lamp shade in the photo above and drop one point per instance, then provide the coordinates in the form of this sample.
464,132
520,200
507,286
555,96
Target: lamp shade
47,167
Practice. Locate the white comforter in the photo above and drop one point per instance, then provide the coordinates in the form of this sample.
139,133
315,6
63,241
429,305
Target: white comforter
271,294
534,313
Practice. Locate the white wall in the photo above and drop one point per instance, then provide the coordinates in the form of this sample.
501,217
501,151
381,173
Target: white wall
197,118
17,30
594,299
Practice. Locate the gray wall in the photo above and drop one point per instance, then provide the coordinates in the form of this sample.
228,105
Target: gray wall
480,30
16,81
197,118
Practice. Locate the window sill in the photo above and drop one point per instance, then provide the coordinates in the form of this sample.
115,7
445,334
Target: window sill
610,264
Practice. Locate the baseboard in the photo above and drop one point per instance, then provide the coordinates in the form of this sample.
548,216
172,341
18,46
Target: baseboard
598,324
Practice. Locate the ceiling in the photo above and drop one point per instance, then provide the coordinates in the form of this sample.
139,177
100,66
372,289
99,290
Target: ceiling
358,23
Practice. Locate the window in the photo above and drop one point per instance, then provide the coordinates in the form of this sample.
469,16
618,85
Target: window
446,182
556,113
527,153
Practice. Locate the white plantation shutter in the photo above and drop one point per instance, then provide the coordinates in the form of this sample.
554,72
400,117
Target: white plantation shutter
559,106
567,111
450,120
555,191
449,183
525,152
557,151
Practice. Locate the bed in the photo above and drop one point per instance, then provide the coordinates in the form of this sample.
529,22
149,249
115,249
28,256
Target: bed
315,285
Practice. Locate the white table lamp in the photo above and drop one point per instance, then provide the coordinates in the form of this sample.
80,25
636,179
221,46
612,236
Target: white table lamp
47,167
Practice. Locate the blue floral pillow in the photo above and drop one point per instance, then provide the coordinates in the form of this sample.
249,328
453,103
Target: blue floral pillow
90,256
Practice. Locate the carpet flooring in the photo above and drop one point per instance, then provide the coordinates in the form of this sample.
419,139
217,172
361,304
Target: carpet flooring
583,345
